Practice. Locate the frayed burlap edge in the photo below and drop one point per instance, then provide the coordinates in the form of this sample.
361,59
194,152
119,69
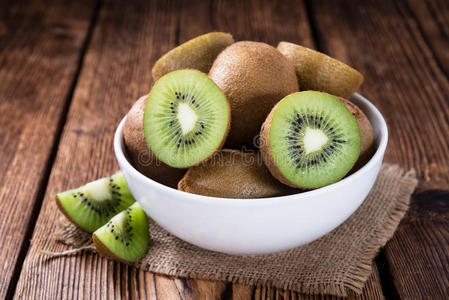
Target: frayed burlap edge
361,270
355,277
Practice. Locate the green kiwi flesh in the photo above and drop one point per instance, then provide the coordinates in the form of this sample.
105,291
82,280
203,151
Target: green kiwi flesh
198,53
125,237
310,139
92,205
233,174
186,118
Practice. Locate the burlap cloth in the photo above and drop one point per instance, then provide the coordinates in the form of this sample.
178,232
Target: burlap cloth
334,264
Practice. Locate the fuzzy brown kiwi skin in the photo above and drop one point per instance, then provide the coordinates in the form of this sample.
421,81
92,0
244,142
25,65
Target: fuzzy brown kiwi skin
366,133
267,155
103,250
318,71
64,212
225,180
138,149
188,56
254,77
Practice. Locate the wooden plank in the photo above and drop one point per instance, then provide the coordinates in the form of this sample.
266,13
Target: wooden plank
395,45
116,71
431,19
40,45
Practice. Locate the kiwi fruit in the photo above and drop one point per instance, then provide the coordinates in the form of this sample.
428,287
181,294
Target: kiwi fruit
125,237
198,53
233,174
186,118
366,131
319,72
254,77
140,155
309,140
92,205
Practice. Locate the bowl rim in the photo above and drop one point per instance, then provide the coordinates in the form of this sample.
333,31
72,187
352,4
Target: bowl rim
378,155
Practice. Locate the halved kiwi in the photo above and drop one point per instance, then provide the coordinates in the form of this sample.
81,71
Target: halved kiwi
125,237
309,140
319,72
198,53
233,174
92,205
186,118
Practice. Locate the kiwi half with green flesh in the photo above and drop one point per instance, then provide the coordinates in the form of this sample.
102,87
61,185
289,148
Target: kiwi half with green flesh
139,153
233,174
254,77
92,205
319,72
309,140
186,118
125,237
198,53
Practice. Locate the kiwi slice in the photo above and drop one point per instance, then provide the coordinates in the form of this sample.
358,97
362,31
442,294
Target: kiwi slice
186,118
319,72
198,53
254,77
233,174
92,205
309,140
140,155
125,237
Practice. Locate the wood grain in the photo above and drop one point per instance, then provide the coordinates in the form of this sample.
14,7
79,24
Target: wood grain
372,290
40,45
401,48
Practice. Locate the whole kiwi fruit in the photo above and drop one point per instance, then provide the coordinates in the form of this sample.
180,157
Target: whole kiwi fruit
139,152
366,132
319,72
198,53
253,76
233,174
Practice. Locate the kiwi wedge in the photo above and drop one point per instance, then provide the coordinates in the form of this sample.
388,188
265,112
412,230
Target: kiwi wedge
92,205
233,174
125,237
186,118
198,53
254,77
140,155
319,72
309,140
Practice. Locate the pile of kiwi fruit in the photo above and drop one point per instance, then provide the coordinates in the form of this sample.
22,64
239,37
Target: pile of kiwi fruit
234,120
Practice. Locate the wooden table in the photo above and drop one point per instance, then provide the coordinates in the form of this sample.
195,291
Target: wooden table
70,70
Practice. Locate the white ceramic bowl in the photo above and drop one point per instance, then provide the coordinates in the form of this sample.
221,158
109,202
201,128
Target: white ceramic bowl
256,226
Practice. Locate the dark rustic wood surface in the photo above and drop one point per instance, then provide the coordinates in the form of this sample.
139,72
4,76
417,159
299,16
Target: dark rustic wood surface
70,70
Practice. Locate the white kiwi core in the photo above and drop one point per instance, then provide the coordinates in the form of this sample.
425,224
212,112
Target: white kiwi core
314,140
187,117
98,189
